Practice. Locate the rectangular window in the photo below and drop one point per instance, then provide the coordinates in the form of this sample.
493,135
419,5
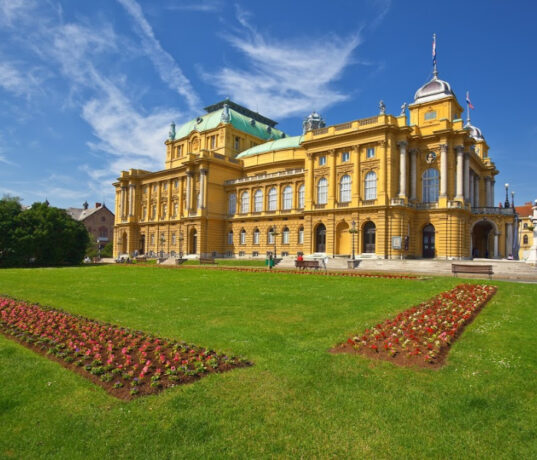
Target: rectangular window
173,239
153,212
345,156
152,238
322,160
285,237
176,183
243,237
301,197
237,143
242,253
256,237
212,142
431,115
255,254
230,238
164,209
370,152
179,150
144,213
301,236
165,186
270,237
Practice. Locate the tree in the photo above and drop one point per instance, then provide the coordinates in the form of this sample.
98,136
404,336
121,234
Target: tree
10,208
43,235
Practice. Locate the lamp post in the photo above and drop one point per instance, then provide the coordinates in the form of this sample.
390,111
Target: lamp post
162,241
353,231
506,204
181,238
274,235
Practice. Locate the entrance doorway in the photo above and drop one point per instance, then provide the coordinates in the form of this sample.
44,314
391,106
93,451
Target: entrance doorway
320,238
142,244
483,240
193,240
343,239
369,233
428,242
124,243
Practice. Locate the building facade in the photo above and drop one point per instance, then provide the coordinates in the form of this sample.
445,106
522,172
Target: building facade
415,185
525,229
99,221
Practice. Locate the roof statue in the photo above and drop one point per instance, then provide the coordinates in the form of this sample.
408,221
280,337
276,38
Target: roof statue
312,121
171,134
226,116
403,108
382,107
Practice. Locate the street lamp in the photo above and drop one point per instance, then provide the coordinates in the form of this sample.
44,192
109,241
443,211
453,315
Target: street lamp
162,241
353,231
274,235
506,204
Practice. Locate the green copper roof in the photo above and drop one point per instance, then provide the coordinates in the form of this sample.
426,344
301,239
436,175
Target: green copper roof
238,120
279,144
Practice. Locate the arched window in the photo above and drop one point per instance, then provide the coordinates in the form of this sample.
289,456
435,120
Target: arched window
322,188
245,202
272,196
270,236
258,200
371,186
345,189
301,197
243,236
287,197
525,239
301,235
230,237
256,236
430,184
232,203
285,235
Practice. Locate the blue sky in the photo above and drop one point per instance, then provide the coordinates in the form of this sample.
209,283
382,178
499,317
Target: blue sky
89,88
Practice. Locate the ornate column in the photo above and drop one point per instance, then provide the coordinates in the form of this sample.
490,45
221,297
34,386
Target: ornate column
471,181
123,201
459,194
332,194
496,237
476,191
308,184
509,240
203,187
443,169
487,191
131,199
189,184
466,177
492,184
413,155
402,169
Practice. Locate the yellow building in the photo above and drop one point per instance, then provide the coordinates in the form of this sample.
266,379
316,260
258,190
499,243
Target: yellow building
420,185
525,229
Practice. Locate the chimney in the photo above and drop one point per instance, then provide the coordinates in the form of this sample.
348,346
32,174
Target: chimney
97,205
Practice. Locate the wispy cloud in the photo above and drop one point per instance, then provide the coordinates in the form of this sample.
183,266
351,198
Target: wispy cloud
12,10
20,83
168,70
285,77
207,6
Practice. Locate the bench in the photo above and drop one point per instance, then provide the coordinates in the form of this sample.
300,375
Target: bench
307,264
473,269
207,260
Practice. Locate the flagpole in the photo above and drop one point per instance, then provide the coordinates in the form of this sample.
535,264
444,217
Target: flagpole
435,70
467,108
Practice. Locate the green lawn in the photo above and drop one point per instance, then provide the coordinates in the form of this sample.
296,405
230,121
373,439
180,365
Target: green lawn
297,400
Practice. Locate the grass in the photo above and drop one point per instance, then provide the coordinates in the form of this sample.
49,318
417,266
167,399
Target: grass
298,400
232,262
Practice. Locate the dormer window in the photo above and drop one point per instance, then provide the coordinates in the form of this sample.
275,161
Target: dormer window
430,115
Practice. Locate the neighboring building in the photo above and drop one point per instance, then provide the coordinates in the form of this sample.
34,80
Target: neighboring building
98,220
418,185
525,229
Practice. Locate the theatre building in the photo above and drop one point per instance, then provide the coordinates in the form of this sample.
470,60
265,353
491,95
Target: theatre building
415,185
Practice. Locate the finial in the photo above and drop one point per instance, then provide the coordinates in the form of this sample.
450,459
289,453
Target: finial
403,108
435,70
171,134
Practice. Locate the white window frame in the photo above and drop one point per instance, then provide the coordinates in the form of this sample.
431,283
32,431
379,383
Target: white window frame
285,236
322,191
230,237
345,156
301,196
245,202
256,236
370,185
301,235
272,199
345,186
258,200
242,236
322,160
370,152
287,197
270,236
232,204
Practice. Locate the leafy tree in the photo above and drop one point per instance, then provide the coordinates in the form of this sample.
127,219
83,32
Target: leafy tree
10,208
43,235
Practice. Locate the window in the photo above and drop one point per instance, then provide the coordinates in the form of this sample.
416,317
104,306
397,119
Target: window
212,142
256,236
272,199
103,232
176,183
230,237
232,204
255,254
165,186
430,115
245,202
175,209
237,143
145,188
155,188
345,156
525,239
322,160
345,189
301,235
287,197
164,209
179,151
322,187
285,235
243,236
525,225
430,186
258,200
198,203
144,213
301,197
173,239
152,238
370,186
270,236
370,152
153,211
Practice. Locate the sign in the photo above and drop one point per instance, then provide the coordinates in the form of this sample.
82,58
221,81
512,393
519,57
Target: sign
396,242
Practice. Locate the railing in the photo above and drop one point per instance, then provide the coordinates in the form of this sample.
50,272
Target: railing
397,202
369,202
316,132
320,206
344,204
343,126
242,180
493,210
368,121
426,205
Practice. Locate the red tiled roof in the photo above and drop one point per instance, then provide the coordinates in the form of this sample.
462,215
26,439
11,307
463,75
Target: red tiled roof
525,210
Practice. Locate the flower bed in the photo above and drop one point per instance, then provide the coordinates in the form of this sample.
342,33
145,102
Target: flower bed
124,362
300,272
422,334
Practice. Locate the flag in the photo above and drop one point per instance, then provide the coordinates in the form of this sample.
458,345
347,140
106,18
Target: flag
468,100
434,49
